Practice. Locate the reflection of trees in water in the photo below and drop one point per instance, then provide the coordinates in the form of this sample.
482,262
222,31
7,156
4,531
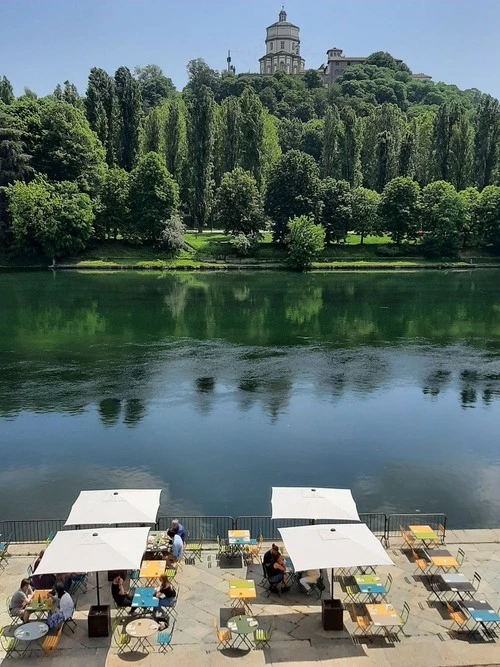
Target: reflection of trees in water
109,411
134,411
436,381
303,306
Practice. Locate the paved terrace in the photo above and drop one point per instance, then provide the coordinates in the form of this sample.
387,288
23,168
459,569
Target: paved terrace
299,638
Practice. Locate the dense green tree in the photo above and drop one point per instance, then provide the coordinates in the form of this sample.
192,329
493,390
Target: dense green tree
447,118
252,135
304,241
461,144
488,214
238,204
29,94
270,143
384,152
154,131
113,215
312,79
6,91
154,197
71,96
67,149
14,161
102,111
332,132
229,142
154,86
424,132
471,232
350,148
312,142
407,154
128,98
292,190
172,234
486,140
399,209
365,216
175,140
384,59
336,209
200,74
442,217
52,219
201,138
291,134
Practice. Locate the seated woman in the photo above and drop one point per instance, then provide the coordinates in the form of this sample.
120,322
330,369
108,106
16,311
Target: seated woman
62,607
21,598
165,592
275,571
121,598
41,581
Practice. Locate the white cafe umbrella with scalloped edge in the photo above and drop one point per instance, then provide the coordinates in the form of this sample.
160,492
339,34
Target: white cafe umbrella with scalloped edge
294,502
329,546
109,506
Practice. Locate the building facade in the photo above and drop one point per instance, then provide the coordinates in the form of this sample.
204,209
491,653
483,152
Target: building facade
282,48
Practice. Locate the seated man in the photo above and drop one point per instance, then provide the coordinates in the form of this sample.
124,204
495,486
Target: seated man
178,529
307,578
275,571
62,608
121,598
18,602
177,548
270,555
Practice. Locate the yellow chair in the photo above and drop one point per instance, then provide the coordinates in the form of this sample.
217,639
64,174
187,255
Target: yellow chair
224,636
50,642
252,552
363,623
421,564
121,638
457,616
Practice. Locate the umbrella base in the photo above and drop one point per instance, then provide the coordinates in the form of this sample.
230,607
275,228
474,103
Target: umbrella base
98,620
332,615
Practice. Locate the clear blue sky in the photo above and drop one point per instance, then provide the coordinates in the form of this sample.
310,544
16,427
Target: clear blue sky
44,42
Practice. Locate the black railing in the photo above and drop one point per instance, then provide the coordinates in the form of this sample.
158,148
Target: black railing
381,525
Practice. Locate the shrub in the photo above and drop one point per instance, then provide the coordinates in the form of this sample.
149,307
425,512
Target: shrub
172,235
244,244
305,241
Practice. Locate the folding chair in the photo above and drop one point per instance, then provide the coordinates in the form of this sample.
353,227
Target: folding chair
421,564
363,623
460,558
194,551
164,639
121,612
251,553
387,586
224,635
122,639
69,622
476,582
49,538
9,644
458,617
222,547
14,617
441,531
262,637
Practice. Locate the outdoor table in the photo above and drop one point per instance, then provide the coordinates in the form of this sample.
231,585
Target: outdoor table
424,533
40,604
369,584
151,570
238,539
442,559
141,629
455,583
243,626
144,598
291,575
244,590
158,542
32,631
383,616
482,612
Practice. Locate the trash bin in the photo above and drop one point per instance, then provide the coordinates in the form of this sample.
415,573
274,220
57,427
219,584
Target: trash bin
99,620
332,615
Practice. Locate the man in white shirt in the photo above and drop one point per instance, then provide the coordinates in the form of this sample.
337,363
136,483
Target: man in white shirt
309,577
177,546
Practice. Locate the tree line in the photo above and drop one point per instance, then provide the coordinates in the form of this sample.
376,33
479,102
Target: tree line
376,153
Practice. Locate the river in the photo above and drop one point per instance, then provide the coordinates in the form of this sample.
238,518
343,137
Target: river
216,386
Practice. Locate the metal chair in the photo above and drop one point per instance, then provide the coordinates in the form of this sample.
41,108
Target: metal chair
387,586
421,564
194,551
441,531
164,639
460,558
121,612
122,639
9,644
49,538
405,614
363,623
224,636
458,617
476,582
262,637
14,617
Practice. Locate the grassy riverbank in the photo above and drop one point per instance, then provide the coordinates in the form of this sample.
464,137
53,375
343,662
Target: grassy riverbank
213,251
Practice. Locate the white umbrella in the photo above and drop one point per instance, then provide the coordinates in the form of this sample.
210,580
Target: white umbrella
115,506
290,502
96,550
328,546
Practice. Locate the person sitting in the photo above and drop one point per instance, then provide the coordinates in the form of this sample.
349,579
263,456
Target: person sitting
270,555
165,592
307,578
275,571
178,529
177,548
121,598
62,607
41,581
21,598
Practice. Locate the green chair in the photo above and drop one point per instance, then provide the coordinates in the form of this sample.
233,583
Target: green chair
16,619
121,638
262,637
9,644
194,551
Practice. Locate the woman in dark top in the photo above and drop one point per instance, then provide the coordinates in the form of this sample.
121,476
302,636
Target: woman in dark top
121,598
165,592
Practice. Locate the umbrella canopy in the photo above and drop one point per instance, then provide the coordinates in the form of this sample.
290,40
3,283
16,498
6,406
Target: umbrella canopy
290,502
325,546
115,506
96,550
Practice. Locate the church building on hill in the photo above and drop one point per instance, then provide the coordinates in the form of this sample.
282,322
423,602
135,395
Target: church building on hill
282,48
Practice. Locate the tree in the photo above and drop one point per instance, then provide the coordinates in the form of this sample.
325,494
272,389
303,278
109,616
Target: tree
70,95
336,209
172,234
154,86
291,134
447,117
201,137
292,190
365,217
312,79
154,131
304,241
486,140
6,91
312,142
128,98
230,135
67,149
238,206
14,161
382,59
407,153
154,197
350,147
114,213
200,74
252,135
175,137
488,215
384,152
424,131
399,209
102,111
331,137
442,216
52,219
271,150
471,232
461,152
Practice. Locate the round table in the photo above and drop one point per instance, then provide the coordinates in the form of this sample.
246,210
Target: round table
141,629
28,632
243,626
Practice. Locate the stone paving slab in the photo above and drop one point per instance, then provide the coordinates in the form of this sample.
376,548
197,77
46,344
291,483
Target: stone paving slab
299,638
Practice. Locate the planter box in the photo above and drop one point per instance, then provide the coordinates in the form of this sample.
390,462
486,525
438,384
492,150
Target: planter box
332,615
98,621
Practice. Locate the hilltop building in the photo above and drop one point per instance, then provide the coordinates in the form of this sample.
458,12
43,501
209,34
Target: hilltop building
282,48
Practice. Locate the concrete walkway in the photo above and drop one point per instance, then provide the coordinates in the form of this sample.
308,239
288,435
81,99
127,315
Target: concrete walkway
299,638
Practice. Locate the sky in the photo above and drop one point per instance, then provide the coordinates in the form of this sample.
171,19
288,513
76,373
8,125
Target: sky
44,42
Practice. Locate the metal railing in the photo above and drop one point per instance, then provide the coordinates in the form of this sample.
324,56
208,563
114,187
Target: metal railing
381,525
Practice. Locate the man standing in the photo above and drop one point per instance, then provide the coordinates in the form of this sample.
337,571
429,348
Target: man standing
178,529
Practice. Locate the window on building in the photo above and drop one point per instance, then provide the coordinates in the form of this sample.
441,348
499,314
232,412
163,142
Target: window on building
282,45
271,46
337,72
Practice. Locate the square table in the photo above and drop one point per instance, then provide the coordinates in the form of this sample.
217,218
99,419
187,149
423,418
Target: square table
455,583
144,598
424,533
442,559
238,539
151,570
482,612
244,590
383,615
41,603
369,584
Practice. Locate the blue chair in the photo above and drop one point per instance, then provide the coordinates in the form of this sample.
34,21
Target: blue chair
164,639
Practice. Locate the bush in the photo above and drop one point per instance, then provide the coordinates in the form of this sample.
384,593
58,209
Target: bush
244,244
305,241
390,251
172,235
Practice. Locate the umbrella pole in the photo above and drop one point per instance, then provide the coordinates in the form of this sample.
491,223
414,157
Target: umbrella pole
98,596
332,583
